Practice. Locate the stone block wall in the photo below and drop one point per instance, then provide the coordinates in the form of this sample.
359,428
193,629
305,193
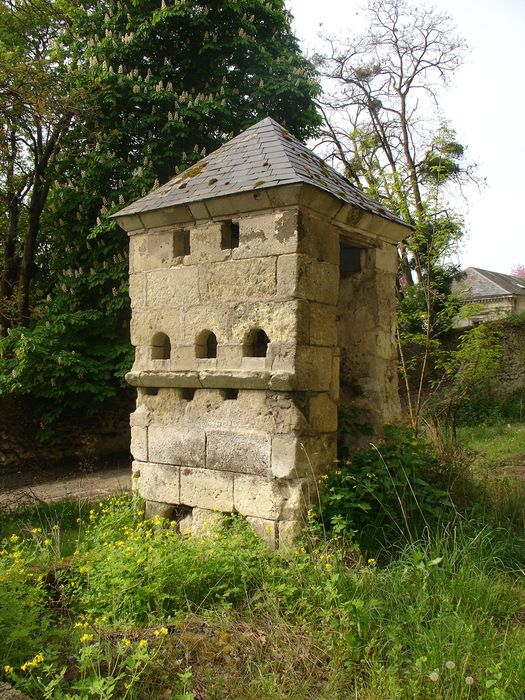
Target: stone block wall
223,422
366,337
249,334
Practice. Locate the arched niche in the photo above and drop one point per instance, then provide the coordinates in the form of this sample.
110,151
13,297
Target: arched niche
206,345
256,343
160,347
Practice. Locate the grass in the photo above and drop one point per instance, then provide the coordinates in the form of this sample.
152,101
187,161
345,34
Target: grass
63,518
97,602
134,610
498,445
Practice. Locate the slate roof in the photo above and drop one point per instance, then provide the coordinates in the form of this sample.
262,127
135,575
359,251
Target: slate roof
265,155
478,284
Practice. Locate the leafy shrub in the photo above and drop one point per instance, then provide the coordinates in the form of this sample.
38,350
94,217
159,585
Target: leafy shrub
129,569
385,494
67,362
492,405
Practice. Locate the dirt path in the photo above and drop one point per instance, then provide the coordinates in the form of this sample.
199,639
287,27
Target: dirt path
21,488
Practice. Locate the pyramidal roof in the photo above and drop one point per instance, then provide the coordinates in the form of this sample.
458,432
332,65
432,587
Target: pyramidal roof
265,155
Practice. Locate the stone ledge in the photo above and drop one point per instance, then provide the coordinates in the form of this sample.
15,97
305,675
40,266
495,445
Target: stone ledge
224,379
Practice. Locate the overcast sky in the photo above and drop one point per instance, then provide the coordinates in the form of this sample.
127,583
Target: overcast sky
486,106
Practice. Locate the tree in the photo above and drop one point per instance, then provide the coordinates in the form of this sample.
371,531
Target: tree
383,128
35,114
156,85
382,122
518,271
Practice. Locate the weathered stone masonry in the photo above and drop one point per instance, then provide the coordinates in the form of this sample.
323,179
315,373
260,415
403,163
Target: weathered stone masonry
257,308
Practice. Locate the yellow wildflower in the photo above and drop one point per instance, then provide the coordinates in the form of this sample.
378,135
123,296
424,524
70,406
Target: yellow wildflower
86,638
33,663
143,643
8,669
14,538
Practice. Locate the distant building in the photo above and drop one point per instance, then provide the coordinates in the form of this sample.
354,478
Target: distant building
500,295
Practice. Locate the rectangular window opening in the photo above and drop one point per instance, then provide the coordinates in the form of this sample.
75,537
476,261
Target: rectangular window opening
188,394
349,259
230,394
230,235
181,243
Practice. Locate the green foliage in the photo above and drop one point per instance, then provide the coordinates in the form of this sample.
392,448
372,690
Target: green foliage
442,160
79,363
467,380
61,522
383,494
25,615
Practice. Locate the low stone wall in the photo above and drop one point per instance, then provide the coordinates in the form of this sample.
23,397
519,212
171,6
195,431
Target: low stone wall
512,372
87,440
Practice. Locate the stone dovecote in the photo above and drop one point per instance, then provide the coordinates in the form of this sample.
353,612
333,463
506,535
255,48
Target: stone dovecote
262,287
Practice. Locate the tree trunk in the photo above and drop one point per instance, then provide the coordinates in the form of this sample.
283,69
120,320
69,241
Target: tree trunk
43,156
10,262
36,206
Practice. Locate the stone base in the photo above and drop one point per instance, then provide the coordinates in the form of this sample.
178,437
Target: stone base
202,522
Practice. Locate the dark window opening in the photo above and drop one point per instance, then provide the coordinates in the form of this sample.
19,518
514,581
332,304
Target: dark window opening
349,259
230,235
206,345
151,390
188,394
256,344
160,347
181,243
230,394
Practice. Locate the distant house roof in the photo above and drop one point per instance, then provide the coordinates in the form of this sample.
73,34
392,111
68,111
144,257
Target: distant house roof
265,155
476,283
